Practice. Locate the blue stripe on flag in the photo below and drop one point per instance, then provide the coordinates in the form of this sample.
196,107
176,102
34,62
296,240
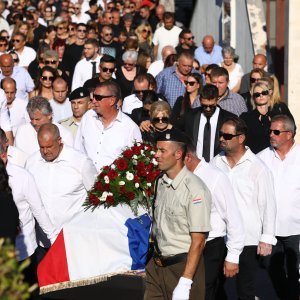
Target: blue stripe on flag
138,240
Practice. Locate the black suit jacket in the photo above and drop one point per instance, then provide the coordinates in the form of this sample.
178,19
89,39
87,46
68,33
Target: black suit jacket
192,122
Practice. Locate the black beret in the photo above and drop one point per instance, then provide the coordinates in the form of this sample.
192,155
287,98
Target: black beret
79,93
173,134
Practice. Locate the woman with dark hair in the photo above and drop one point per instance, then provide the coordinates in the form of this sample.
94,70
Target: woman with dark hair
188,101
9,215
50,36
170,60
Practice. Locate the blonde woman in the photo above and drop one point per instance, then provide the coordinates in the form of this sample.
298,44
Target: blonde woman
27,30
144,34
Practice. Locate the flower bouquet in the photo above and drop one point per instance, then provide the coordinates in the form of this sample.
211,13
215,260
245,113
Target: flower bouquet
128,180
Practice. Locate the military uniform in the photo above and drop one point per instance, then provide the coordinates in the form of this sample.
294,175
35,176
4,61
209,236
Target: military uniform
71,124
182,206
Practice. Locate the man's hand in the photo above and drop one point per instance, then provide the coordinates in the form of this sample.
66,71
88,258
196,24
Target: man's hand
182,290
145,126
230,269
264,249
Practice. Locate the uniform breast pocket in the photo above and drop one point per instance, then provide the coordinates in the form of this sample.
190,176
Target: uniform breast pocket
175,219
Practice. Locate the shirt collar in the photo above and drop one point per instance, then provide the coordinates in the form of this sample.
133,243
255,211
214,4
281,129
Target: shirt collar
287,154
248,155
177,180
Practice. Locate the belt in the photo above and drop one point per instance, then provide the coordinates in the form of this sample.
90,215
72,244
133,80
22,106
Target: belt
165,261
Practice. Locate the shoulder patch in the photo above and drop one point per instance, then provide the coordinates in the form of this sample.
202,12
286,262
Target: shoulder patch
197,201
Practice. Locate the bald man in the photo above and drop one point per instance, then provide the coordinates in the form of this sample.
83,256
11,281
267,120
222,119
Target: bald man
19,74
209,53
63,176
259,62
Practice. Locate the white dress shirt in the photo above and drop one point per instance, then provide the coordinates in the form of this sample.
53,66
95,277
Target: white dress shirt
62,183
5,123
61,111
156,67
225,218
213,125
253,187
26,56
18,114
29,204
83,71
286,175
16,156
82,18
130,103
104,145
26,137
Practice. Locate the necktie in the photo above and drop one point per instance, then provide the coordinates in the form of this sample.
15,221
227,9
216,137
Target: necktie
206,141
94,68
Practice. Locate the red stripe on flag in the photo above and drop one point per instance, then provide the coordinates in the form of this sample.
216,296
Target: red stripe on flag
54,266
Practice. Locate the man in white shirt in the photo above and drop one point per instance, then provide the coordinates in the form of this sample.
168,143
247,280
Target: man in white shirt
254,191
40,112
283,159
26,54
63,176
105,131
141,84
16,106
5,123
87,67
225,220
60,105
167,35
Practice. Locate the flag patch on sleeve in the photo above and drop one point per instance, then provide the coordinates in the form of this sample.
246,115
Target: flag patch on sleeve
197,201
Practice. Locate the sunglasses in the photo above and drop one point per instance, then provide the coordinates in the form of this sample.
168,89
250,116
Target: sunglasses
50,62
277,132
139,92
148,31
60,28
3,45
263,93
81,30
191,83
100,97
228,136
189,38
110,70
5,36
50,78
160,120
208,106
15,41
16,60
72,29
108,34
253,80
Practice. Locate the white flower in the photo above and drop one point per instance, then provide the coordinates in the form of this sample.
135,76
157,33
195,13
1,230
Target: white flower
122,182
152,152
142,152
106,179
154,162
146,148
129,176
113,166
136,185
104,196
138,144
134,161
134,156
148,183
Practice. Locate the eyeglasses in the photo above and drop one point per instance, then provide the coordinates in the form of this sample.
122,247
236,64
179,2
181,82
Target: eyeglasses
60,28
5,36
207,74
108,34
81,30
105,70
50,78
3,45
228,136
137,92
263,93
50,62
208,106
16,60
191,83
100,97
253,80
189,38
71,29
276,131
160,120
16,41
148,31
129,65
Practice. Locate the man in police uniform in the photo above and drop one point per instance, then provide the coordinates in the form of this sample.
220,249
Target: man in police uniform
80,103
181,224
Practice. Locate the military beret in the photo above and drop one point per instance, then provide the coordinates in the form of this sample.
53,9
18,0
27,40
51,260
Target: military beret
173,134
79,93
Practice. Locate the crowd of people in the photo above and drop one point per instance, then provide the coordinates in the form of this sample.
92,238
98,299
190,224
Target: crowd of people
82,80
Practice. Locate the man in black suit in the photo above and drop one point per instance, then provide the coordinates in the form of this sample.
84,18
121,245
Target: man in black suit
203,124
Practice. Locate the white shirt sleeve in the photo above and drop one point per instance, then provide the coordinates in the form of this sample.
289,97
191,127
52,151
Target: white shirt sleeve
89,174
76,82
5,123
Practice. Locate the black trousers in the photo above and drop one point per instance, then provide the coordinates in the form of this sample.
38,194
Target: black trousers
214,255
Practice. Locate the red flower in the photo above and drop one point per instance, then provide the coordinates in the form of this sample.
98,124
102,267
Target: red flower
150,167
136,179
98,186
106,168
106,187
136,150
142,173
151,177
112,174
94,199
121,164
140,165
122,189
128,153
110,200
130,195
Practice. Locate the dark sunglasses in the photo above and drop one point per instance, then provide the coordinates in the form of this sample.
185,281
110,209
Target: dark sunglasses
108,34
263,93
276,131
15,41
148,31
139,92
208,106
100,97
105,70
191,83
44,78
81,30
16,60
207,74
50,62
60,28
162,120
71,29
5,36
3,45
253,80
189,38
228,136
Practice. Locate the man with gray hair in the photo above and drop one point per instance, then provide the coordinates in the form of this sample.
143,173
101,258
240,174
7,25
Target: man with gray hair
283,159
40,112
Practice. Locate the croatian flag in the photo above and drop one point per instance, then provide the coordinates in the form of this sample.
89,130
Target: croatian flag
94,246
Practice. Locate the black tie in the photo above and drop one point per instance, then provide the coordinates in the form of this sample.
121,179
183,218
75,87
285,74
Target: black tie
94,68
206,141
